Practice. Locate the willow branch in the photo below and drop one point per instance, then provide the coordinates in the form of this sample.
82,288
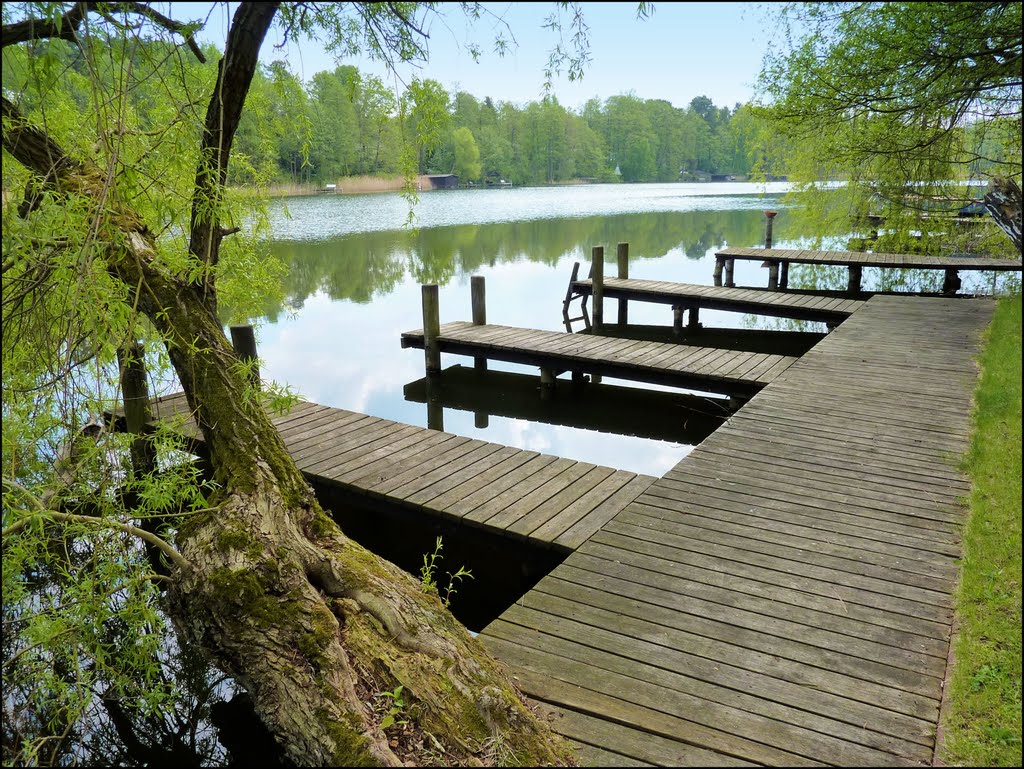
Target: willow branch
234,76
173,555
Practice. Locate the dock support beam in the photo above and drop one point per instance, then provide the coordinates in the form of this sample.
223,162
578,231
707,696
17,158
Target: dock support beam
243,339
853,286
597,286
719,264
730,265
677,319
784,276
431,329
622,256
773,275
478,296
547,382
951,282
693,319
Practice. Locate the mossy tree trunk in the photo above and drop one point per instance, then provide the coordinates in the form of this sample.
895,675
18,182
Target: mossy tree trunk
311,623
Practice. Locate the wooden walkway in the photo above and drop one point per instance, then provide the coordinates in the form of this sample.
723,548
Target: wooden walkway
798,306
776,259
548,501
704,368
783,595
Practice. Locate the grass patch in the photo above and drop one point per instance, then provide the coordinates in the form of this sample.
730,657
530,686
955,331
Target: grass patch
983,719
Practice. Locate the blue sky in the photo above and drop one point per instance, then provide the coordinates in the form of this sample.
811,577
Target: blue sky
681,51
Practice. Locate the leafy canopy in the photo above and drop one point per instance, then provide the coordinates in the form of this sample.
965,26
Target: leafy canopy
894,97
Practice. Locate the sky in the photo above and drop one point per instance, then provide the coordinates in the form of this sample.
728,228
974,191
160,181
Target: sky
681,51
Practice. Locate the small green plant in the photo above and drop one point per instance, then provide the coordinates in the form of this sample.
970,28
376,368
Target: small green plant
427,581
396,708
428,570
450,590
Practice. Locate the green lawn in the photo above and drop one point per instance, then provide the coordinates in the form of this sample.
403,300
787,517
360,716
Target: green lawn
983,720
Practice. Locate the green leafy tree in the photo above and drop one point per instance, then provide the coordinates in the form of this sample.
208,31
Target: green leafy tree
902,101
117,223
467,155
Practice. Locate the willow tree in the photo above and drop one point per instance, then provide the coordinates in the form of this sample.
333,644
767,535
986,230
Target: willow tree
904,102
121,146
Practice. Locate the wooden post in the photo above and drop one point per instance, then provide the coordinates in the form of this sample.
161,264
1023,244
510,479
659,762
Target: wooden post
622,256
719,264
784,275
693,320
769,217
853,286
243,339
137,412
435,415
730,265
773,275
951,282
547,382
677,319
597,284
431,329
481,419
478,296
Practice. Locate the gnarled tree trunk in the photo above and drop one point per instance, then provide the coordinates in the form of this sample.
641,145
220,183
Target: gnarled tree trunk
1003,201
311,623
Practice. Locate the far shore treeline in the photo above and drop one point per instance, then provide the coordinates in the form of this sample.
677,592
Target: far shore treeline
347,123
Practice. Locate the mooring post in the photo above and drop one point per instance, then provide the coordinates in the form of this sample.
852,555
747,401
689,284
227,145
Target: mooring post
243,339
622,257
719,264
431,329
137,412
478,297
853,286
597,285
481,419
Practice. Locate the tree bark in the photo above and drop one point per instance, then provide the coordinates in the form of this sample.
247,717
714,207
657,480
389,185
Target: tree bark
1003,201
311,623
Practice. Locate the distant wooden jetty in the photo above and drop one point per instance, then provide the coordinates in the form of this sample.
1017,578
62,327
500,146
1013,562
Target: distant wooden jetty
777,260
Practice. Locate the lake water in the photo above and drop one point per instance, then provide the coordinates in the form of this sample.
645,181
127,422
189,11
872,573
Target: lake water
356,271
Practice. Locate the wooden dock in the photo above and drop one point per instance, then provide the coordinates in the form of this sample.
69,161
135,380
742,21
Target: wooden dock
709,369
653,414
546,500
686,296
782,596
777,260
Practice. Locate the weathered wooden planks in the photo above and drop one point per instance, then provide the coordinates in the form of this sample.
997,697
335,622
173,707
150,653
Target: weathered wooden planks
733,372
847,258
783,595
546,500
797,306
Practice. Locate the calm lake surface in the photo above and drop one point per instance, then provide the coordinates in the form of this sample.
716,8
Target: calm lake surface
356,271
